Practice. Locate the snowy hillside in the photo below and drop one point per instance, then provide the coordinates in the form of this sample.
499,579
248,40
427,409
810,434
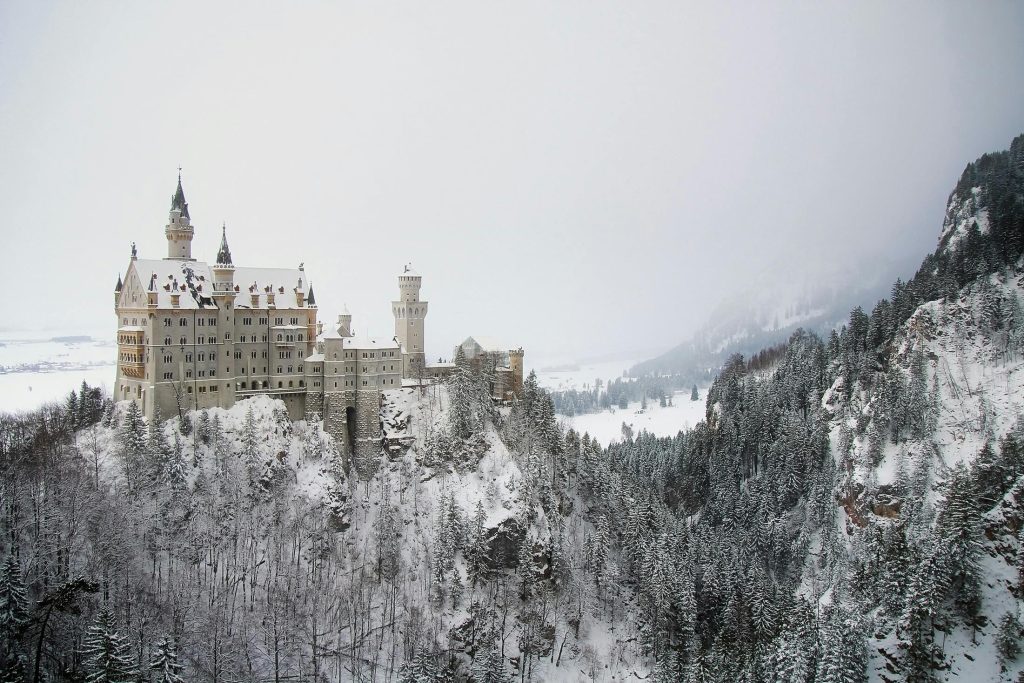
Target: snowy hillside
965,356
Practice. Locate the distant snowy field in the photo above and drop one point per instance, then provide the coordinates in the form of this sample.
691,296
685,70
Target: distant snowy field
39,367
606,426
580,376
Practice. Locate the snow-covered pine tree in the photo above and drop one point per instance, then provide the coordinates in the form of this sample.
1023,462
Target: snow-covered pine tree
106,653
14,618
164,663
250,440
132,441
489,666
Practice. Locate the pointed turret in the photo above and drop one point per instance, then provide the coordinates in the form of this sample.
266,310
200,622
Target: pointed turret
311,300
178,202
119,285
224,253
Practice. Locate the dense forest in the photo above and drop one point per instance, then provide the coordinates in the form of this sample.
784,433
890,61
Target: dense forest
850,509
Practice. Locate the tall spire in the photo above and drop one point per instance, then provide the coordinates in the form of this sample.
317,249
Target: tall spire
224,253
178,200
311,300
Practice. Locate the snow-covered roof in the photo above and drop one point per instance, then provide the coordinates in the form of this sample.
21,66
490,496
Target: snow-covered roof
369,343
193,281
440,365
258,280
316,358
479,343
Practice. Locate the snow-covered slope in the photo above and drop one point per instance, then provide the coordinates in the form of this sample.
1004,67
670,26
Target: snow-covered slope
973,372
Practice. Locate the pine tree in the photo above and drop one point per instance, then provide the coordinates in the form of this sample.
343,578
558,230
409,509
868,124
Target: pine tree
694,396
13,620
132,439
106,653
421,668
250,440
165,663
489,666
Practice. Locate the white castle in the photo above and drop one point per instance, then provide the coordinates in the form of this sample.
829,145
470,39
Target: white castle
192,336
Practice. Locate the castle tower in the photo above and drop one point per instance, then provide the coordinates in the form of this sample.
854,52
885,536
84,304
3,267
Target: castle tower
409,314
179,230
345,323
223,272
515,363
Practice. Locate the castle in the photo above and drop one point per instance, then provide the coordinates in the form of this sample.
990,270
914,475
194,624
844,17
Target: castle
192,335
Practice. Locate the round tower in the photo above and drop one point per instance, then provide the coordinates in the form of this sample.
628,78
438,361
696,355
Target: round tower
410,313
179,231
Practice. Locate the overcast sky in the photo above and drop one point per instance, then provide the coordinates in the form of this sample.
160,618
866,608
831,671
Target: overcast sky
575,177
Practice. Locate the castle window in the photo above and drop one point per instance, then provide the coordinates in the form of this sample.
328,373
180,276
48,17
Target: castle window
290,384
279,369
279,321
300,368
243,385
188,374
300,337
167,341
253,354
213,388
263,321
280,385
202,390
168,375
302,383
278,337
188,357
183,322
200,322
183,341
189,389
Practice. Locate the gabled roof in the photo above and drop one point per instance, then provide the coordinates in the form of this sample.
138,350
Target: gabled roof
193,281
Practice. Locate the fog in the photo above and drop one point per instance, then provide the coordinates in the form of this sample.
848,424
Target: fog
579,178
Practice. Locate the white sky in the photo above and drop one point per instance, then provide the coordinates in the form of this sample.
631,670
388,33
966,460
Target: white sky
576,177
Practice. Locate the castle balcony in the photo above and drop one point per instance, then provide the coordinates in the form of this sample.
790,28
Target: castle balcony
130,336
132,369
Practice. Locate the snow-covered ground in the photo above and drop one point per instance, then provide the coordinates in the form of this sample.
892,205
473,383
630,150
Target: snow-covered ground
606,426
580,376
39,367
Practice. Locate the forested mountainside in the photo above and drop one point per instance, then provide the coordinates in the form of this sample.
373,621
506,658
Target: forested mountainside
850,510
758,320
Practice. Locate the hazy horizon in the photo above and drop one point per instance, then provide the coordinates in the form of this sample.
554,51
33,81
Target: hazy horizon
581,179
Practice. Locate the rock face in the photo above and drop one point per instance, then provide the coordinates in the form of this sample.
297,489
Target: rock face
503,543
